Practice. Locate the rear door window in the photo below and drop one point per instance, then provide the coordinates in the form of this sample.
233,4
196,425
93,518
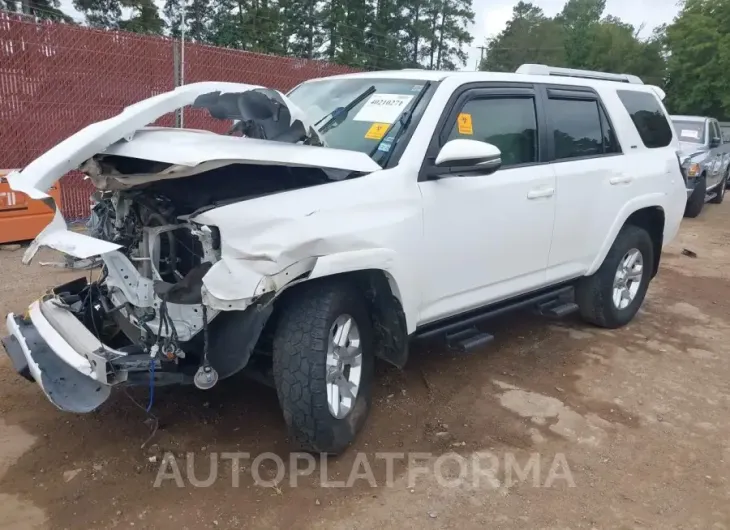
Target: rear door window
648,117
580,128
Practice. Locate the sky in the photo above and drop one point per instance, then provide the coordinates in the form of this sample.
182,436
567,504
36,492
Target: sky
492,15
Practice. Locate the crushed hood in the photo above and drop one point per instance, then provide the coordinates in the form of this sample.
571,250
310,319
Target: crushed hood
261,112
125,135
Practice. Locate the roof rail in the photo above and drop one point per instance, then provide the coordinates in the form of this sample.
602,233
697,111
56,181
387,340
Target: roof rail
543,69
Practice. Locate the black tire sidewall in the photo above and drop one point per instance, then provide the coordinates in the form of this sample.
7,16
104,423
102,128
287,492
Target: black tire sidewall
630,237
308,417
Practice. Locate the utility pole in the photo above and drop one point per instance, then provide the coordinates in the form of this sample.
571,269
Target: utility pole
481,58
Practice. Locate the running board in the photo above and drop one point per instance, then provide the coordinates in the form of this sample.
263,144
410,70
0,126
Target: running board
557,308
467,340
710,195
450,326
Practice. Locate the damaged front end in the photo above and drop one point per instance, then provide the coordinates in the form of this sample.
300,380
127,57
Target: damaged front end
167,306
143,320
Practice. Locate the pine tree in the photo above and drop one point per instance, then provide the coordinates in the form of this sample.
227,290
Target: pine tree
448,20
302,27
386,41
416,30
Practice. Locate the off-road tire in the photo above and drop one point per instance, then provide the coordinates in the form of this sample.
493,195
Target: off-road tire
720,191
696,201
299,357
594,293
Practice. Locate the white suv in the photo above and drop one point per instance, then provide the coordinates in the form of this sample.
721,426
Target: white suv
336,223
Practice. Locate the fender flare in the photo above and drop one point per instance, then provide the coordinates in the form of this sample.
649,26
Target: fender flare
382,259
652,200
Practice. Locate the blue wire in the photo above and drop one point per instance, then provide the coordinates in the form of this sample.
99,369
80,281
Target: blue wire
152,385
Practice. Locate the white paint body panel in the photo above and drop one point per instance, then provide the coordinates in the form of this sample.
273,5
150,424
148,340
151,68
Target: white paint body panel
447,246
493,221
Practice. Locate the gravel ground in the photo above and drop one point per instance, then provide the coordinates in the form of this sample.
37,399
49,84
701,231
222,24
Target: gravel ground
637,420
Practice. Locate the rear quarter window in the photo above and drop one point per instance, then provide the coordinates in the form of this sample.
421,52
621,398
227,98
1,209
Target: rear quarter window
648,117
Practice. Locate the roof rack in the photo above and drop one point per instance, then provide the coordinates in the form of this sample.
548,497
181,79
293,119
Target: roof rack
543,69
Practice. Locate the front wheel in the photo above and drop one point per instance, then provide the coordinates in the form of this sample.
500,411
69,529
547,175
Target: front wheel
323,364
612,296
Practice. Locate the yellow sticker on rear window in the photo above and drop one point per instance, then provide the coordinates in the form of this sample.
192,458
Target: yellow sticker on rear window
463,123
377,131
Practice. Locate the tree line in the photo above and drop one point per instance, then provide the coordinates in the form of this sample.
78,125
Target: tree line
371,34
689,58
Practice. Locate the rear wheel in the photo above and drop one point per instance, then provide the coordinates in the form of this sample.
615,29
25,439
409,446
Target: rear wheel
323,365
696,201
612,296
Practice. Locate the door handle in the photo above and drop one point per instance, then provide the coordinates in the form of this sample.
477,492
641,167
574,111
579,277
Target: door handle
540,193
624,179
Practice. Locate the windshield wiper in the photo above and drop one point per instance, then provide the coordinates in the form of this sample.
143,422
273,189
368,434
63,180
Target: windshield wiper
341,112
404,121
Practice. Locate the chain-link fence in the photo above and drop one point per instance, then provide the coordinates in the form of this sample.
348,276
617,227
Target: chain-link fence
57,78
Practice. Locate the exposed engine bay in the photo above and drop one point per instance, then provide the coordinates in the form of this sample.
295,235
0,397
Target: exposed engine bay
147,304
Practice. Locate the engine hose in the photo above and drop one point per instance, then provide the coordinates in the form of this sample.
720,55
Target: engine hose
205,335
152,385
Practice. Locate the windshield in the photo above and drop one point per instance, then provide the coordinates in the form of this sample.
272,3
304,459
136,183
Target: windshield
690,131
371,124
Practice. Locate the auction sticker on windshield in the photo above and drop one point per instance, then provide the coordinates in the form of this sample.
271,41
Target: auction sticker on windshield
377,131
383,108
688,133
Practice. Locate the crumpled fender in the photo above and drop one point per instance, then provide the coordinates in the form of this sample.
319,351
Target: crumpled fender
269,242
232,285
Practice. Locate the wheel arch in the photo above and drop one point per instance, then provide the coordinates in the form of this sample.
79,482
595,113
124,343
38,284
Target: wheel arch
652,220
645,212
381,294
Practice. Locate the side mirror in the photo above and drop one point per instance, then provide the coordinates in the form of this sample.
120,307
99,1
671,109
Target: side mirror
715,141
460,153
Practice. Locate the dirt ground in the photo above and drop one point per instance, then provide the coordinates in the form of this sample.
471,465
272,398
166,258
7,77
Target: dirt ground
638,417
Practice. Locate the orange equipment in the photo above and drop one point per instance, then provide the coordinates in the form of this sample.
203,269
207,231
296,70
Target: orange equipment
22,218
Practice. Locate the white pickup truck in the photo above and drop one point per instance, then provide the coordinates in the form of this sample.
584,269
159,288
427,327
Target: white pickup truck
336,223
